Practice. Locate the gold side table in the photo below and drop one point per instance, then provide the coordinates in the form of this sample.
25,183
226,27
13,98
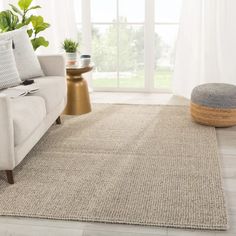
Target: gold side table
78,101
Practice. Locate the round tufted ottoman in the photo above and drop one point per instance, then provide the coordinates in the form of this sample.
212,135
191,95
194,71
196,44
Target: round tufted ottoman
214,105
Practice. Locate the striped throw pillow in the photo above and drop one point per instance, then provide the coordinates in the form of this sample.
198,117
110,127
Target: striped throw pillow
27,63
9,76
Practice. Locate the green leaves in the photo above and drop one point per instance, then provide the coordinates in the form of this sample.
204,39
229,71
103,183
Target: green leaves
70,46
40,41
25,10
30,32
38,24
33,8
16,10
8,21
18,17
24,4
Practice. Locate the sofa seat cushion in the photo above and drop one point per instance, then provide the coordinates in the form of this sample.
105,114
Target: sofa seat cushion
52,89
28,113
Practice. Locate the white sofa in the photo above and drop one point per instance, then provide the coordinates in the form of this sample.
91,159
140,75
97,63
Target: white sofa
24,120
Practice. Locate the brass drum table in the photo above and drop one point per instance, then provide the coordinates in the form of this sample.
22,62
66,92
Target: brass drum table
78,101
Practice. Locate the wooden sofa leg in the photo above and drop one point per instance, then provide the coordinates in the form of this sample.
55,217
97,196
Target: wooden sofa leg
10,177
58,121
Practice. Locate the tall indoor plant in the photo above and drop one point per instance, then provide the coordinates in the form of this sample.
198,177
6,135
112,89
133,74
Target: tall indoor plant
19,16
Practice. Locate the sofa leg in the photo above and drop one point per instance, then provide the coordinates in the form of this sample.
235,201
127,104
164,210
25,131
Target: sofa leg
58,121
10,177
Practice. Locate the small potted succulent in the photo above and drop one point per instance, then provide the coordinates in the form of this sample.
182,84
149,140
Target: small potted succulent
71,48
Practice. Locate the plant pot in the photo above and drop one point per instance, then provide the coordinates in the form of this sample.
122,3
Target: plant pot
71,58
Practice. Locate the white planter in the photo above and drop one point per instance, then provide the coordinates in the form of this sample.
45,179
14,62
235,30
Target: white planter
71,58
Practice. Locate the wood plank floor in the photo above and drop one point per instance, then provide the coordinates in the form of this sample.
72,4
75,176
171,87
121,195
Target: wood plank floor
13,226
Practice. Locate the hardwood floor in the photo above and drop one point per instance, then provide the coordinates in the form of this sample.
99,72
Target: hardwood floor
12,226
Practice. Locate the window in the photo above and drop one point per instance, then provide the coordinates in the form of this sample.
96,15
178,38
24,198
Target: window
132,42
167,14
118,43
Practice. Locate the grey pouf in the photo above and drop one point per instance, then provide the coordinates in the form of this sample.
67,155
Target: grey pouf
214,104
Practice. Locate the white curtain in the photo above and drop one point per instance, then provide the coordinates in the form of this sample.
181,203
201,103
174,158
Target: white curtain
4,4
61,16
206,46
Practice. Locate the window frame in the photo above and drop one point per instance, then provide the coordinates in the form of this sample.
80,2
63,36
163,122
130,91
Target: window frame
149,46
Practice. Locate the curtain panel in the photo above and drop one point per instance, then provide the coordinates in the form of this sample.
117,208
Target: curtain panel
206,46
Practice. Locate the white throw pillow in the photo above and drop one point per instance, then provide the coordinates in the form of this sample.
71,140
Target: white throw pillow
9,76
26,60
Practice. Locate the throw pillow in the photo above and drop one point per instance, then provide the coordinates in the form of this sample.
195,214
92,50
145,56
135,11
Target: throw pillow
26,60
9,76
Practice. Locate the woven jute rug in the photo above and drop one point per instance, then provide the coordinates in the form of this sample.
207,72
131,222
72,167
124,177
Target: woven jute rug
131,164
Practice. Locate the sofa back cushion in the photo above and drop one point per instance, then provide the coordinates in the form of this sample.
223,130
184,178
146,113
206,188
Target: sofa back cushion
9,76
26,60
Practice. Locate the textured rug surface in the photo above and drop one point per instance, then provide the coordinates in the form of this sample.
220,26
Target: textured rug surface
145,165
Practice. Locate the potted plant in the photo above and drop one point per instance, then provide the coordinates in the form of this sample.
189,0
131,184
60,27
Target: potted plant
71,48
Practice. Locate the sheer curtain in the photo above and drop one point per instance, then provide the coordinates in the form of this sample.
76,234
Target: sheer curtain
206,47
4,4
60,14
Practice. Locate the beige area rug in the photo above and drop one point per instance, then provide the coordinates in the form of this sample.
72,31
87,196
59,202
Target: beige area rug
144,165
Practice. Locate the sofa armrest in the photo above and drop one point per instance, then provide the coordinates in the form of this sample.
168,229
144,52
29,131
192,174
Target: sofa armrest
53,65
7,157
